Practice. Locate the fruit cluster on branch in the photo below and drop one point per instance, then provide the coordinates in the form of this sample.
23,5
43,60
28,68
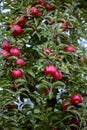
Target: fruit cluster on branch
45,67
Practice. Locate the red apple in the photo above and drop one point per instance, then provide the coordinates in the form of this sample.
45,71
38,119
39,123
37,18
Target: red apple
6,45
64,104
20,62
5,53
15,51
17,30
69,48
22,21
46,50
75,121
41,2
57,75
48,6
34,11
14,88
54,128
17,73
10,106
64,25
76,99
46,91
50,70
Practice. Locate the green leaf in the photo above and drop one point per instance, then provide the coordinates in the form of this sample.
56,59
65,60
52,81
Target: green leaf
46,83
36,110
75,113
58,83
30,72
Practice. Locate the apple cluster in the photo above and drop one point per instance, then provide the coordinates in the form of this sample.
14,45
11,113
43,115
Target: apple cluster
17,31
64,25
46,5
34,12
75,100
14,51
51,70
17,28
8,51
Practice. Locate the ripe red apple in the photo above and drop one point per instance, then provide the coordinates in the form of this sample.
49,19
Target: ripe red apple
5,53
48,6
17,73
50,70
46,91
17,29
76,99
64,25
69,48
54,128
20,62
46,50
14,88
15,51
6,45
40,1
22,21
34,11
57,75
10,106
64,104
75,121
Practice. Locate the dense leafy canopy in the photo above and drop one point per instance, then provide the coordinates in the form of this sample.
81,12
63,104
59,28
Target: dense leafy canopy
43,68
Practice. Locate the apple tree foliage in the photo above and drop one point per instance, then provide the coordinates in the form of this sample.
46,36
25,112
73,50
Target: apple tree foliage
35,98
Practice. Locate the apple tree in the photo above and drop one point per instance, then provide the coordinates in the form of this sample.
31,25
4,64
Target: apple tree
43,66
